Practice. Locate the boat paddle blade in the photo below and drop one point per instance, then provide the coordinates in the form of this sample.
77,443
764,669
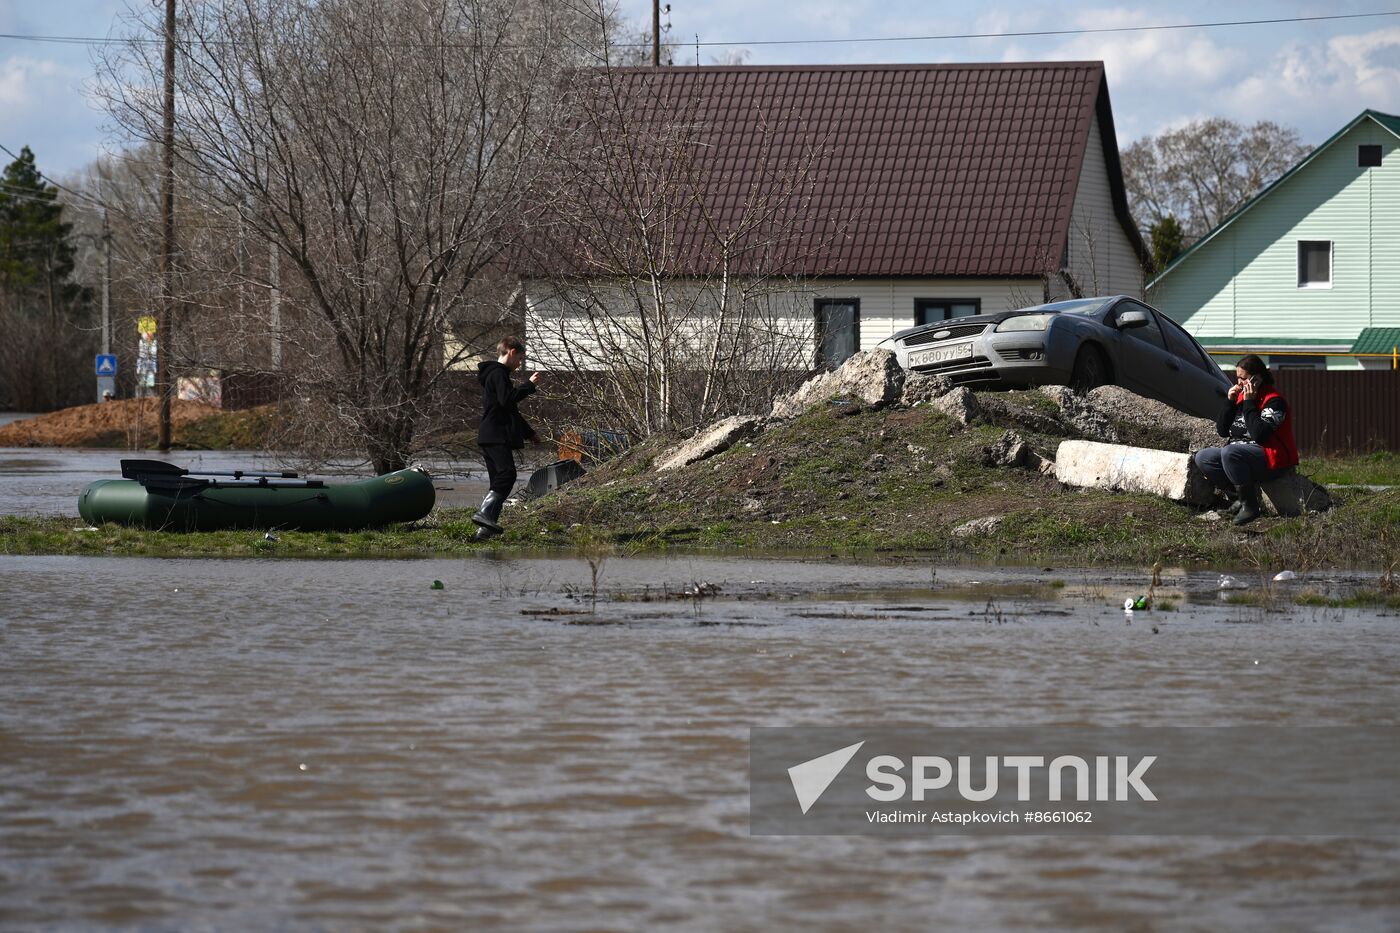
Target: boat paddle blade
139,469
132,469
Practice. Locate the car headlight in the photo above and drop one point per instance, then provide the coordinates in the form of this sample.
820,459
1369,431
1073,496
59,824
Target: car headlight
1025,322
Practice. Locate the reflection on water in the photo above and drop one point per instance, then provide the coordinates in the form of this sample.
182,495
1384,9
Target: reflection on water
263,744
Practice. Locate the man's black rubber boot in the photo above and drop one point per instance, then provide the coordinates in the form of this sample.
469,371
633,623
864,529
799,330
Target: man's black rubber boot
1234,507
488,516
1249,495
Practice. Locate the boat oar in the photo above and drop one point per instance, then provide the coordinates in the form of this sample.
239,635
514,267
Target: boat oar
134,469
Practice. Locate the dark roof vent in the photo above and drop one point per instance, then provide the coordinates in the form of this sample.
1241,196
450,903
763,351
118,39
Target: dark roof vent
1368,156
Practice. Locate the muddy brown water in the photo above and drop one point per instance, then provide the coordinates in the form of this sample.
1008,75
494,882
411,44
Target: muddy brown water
336,745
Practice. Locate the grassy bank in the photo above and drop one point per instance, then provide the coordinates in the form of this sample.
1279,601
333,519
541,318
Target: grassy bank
840,481
905,480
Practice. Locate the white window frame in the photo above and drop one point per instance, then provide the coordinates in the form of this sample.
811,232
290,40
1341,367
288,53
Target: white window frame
1331,265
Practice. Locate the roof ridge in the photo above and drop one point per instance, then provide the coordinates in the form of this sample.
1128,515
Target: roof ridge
871,66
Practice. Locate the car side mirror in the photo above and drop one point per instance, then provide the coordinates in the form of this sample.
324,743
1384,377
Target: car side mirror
1132,319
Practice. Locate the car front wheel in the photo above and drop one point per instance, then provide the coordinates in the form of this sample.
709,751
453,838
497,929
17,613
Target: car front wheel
1090,369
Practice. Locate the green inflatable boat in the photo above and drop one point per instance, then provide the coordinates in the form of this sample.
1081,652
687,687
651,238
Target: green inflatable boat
159,495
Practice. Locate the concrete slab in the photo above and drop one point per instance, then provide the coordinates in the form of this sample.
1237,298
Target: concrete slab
1132,469
717,438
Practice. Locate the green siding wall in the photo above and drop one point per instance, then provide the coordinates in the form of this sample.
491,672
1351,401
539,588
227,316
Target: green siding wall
1243,282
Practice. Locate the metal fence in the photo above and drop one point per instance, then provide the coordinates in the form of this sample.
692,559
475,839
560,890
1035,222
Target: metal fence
1348,411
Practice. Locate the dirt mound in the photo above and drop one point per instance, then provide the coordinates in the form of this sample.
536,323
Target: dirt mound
131,423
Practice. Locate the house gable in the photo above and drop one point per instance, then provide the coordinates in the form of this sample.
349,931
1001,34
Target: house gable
1241,280
1104,252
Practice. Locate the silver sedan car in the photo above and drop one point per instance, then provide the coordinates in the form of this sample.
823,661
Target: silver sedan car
1082,343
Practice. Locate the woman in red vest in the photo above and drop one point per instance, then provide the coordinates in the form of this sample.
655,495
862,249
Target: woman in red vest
1258,432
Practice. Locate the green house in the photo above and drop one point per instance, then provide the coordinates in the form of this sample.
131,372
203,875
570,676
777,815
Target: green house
1308,271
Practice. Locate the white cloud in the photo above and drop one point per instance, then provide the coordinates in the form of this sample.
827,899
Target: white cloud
44,105
1325,85
24,80
1172,61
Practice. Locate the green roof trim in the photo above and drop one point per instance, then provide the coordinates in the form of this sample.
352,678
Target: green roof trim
1377,340
1389,121
1270,342
1386,120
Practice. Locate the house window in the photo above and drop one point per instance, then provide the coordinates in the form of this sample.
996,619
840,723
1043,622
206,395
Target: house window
1368,156
929,310
1314,263
838,330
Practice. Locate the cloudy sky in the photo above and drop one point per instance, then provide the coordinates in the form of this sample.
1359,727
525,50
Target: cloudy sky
1314,76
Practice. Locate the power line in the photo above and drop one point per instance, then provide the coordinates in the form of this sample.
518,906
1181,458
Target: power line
1025,34
77,194
1021,34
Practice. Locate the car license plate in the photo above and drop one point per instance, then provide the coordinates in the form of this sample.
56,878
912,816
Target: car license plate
954,351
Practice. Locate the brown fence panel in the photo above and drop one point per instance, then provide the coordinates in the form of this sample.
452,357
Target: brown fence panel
1355,411
249,390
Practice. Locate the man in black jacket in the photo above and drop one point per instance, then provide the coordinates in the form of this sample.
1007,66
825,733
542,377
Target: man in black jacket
503,431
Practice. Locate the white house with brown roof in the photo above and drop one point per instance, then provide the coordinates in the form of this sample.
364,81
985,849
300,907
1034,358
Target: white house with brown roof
927,192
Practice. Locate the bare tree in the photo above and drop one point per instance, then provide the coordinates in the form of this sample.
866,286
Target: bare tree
677,297
385,151
1205,170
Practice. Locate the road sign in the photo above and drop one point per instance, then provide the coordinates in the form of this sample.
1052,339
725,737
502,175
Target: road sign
106,364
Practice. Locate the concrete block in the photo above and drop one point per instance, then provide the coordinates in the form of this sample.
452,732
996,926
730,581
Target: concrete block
717,438
1009,451
960,404
873,378
1132,469
920,390
1293,494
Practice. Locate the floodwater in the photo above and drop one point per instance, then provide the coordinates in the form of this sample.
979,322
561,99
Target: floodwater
267,744
38,481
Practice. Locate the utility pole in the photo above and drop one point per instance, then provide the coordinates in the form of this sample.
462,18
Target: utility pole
165,330
106,282
656,33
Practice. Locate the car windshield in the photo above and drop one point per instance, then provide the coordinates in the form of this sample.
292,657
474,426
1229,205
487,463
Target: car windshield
1075,306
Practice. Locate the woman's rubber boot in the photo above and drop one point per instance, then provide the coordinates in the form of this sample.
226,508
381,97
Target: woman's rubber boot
488,516
1248,512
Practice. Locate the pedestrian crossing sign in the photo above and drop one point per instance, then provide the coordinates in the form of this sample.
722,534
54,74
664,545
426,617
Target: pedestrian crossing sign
106,364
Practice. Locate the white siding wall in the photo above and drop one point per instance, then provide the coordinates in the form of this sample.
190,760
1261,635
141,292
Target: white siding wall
886,306
1101,257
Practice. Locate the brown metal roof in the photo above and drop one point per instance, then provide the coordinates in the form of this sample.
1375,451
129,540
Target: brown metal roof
918,170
